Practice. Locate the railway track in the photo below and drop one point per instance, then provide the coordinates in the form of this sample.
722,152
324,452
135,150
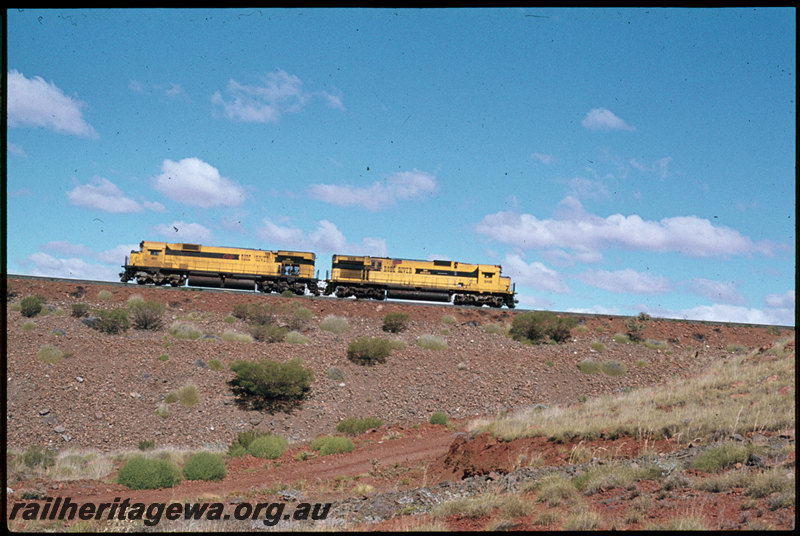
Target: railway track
333,298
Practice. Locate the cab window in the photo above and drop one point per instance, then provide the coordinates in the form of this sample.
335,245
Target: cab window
154,252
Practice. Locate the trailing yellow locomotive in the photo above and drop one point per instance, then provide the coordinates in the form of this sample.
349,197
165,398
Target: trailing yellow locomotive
380,278
160,263
377,278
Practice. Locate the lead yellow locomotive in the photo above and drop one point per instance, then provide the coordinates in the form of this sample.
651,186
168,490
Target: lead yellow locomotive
380,278
160,263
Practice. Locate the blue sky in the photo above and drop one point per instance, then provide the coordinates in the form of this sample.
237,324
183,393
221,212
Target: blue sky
611,160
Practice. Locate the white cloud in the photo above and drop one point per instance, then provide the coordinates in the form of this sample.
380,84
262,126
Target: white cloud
67,248
194,182
602,119
781,301
782,307
578,230
174,90
627,280
13,148
543,158
180,231
660,166
326,238
278,94
526,301
48,266
535,275
116,255
559,257
403,185
718,291
170,89
34,102
730,313
155,206
595,310
102,194
588,189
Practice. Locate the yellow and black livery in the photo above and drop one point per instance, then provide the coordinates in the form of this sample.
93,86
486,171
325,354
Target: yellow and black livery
380,278
161,263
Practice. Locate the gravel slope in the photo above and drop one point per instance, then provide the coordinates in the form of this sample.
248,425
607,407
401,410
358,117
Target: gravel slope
104,396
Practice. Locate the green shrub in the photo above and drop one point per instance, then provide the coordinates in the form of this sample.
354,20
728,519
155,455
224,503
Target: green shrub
295,337
449,320
243,440
113,321
240,311
28,326
299,318
270,383
394,322
332,445
369,350
555,489
589,366
635,329
268,446
104,295
720,456
215,364
204,466
439,417
335,374
236,450
232,336
80,309
268,332
163,357
431,342
355,426
36,456
334,324
180,330
49,354
146,444
539,326
260,315
146,314
613,368
494,329
189,395
655,345
598,347
31,306
148,473
736,348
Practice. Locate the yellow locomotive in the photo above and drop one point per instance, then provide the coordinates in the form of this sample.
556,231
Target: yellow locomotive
380,278
160,263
